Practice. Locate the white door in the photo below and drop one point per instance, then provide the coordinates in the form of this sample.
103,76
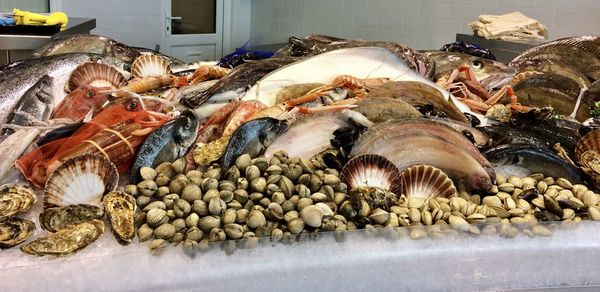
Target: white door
193,29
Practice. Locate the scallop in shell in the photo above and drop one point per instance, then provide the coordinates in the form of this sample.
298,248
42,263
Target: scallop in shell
371,170
589,142
14,231
54,219
96,75
426,181
150,65
66,241
82,179
120,208
14,200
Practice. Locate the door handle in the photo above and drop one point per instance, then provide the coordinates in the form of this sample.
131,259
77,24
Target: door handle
174,17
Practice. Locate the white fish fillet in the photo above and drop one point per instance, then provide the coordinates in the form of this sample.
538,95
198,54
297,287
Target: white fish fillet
361,62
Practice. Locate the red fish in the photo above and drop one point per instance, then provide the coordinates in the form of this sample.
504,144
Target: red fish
81,101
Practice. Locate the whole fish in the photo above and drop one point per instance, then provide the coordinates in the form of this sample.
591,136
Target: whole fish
316,44
16,78
468,48
523,159
252,138
551,66
581,52
491,74
237,81
34,106
308,136
419,141
166,143
81,101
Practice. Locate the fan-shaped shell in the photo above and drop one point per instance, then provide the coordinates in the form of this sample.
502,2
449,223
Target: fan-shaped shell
14,231
96,75
591,141
14,200
371,170
82,179
150,65
426,181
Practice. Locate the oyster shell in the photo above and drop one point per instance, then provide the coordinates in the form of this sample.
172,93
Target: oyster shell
371,170
66,241
14,231
120,208
54,219
82,179
15,199
149,65
375,197
426,181
96,75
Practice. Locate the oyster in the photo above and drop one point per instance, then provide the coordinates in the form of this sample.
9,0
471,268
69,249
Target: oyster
120,208
15,199
374,197
149,65
54,219
14,231
426,181
371,170
82,179
66,241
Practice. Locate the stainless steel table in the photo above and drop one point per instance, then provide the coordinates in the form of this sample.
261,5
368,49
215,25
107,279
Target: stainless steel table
19,47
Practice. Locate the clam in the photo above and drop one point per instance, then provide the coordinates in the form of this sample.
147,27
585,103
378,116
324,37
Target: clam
66,241
371,170
15,200
149,65
426,181
54,219
120,209
15,231
82,179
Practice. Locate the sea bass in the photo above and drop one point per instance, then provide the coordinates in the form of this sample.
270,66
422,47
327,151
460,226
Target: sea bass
166,144
491,74
34,106
16,78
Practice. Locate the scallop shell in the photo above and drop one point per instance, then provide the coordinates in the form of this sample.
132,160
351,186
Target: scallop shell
96,75
150,65
120,208
371,170
82,179
426,181
14,200
14,231
54,219
589,142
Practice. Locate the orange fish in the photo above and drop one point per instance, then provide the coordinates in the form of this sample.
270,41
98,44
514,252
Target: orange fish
81,101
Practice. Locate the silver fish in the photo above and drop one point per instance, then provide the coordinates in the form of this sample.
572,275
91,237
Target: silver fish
16,78
34,106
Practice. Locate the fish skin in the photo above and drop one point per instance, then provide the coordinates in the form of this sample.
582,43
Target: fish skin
252,138
166,144
35,103
59,133
534,160
379,109
552,66
238,79
14,146
18,77
581,52
488,72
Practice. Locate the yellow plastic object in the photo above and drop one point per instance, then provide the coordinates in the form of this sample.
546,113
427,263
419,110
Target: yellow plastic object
27,18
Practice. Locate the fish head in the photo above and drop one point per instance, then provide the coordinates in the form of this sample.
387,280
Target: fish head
89,96
44,89
492,74
481,182
338,93
273,131
185,129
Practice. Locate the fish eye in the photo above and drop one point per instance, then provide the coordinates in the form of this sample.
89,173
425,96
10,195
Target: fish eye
476,64
90,94
132,105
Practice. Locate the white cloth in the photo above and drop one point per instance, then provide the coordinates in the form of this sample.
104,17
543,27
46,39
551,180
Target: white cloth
511,26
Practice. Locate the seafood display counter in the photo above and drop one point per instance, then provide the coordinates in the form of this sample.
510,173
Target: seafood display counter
14,47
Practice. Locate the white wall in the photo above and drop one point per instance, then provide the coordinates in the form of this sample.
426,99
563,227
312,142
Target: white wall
421,24
29,5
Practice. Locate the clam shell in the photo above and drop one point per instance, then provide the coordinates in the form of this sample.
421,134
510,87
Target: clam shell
14,200
150,65
14,231
82,179
426,181
66,241
120,208
371,170
54,219
96,75
589,142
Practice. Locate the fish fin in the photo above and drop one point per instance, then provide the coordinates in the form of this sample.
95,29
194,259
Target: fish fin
97,75
88,116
